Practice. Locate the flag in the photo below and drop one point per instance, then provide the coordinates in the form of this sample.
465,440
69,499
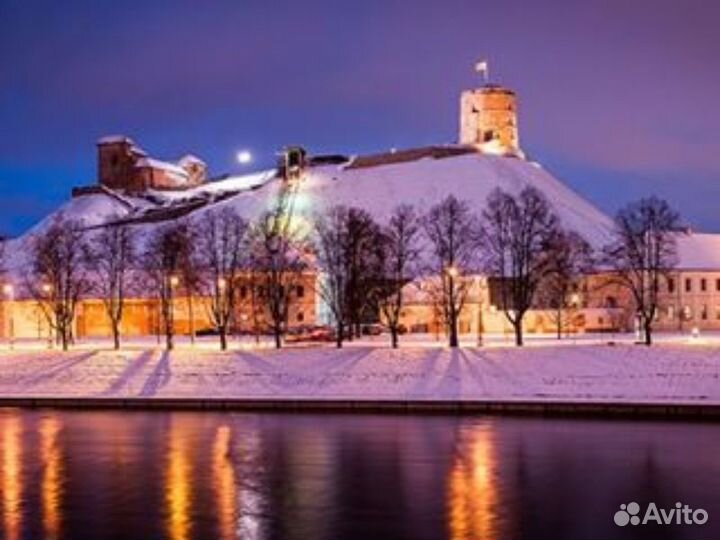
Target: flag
482,67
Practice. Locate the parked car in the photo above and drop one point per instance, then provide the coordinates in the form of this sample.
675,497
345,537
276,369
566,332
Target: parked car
305,334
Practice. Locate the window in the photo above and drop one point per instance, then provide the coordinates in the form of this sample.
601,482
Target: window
300,316
600,321
704,313
688,285
300,291
243,292
717,284
717,313
703,284
671,312
687,313
671,285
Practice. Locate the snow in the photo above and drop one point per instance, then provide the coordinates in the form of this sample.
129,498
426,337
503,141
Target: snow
190,159
111,139
163,165
678,374
699,251
93,210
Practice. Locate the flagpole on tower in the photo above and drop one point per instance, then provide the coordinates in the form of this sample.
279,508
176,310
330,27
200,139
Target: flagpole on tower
483,68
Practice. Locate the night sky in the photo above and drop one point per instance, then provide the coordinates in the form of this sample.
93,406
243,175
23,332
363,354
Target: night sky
617,97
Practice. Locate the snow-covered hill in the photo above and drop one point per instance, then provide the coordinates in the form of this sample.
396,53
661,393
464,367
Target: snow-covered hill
377,188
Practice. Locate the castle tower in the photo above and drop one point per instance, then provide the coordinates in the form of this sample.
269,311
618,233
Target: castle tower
488,118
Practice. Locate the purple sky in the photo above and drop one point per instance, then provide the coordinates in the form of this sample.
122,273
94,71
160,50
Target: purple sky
617,97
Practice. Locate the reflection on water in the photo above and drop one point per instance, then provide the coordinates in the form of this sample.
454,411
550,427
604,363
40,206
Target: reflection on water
472,493
224,483
178,489
51,486
183,476
11,477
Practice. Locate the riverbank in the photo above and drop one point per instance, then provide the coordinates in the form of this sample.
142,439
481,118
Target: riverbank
667,379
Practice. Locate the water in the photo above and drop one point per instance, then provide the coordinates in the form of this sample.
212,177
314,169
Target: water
180,475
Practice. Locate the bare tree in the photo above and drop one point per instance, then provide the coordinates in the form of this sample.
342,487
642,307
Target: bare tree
643,253
569,258
349,247
452,231
277,261
110,256
400,256
59,277
363,250
516,235
333,282
163,260
221,254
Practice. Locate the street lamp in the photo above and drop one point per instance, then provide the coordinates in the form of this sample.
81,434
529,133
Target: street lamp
452,271
9,292
222,283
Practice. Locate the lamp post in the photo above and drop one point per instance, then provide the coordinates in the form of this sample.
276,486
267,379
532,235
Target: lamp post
47,290
9,292
173,281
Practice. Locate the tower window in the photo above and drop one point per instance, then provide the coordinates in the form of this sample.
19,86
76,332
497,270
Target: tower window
671,285
703,284
488,136
688,285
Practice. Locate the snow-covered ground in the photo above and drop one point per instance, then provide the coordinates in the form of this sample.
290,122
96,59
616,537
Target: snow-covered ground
678,373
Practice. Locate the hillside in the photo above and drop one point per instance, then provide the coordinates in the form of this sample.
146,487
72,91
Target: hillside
375,186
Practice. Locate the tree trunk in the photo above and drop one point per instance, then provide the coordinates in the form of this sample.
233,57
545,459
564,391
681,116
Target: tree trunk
454,341
559,324
278,337
648,332
339,336
116,335
191,317
517,325
394,337
223,338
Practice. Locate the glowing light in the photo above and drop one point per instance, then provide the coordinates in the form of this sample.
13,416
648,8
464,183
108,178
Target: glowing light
452,271
222,283
178,495
8,289
244,157
224,483
12,477
174,281
47,288
473,496
51,487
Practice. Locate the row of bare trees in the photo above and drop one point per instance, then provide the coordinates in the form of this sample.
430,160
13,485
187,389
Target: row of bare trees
516,241
213,257
363,265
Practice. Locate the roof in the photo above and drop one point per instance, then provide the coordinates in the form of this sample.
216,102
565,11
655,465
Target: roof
698,251
164,165
189,159
112,139
411,154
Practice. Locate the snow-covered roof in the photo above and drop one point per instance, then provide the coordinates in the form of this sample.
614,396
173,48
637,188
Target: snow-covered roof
698,251
190,159
111,139
164,165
